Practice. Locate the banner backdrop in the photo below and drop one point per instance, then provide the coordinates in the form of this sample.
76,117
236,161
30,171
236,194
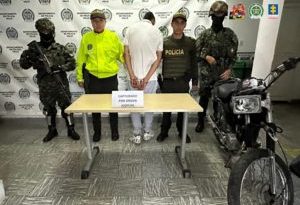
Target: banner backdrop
19,94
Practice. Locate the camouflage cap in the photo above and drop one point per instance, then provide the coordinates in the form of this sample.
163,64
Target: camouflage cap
44,26
218,8
179,15
97,14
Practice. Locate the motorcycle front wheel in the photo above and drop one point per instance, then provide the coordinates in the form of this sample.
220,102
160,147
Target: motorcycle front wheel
250,181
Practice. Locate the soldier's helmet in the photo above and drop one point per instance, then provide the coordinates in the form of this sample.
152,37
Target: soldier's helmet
218,8
44,26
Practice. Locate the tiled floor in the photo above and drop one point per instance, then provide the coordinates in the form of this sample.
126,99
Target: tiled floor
36,173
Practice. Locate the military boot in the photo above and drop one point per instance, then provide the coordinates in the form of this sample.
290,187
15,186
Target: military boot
72,133
52,132
69,119
200,125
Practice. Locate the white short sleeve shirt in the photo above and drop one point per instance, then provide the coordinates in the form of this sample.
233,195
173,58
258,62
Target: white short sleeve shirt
143,40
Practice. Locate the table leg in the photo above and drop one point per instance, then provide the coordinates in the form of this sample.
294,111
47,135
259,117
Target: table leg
181,150
91,150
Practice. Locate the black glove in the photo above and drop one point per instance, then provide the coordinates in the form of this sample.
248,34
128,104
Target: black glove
31,56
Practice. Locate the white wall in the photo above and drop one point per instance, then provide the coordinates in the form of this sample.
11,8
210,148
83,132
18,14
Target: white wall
266,41
287,88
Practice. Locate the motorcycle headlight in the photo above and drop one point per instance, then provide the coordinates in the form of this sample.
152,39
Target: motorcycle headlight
246,104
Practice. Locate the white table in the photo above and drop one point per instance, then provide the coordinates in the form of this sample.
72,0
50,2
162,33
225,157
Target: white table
175,102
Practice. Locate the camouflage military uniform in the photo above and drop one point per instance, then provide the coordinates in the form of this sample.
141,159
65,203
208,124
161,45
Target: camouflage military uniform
51,60
49,89
216,50
223,47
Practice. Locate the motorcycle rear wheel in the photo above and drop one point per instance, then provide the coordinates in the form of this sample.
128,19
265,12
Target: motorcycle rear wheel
249,181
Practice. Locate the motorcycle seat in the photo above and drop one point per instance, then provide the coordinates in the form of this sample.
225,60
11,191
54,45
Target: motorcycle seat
224,89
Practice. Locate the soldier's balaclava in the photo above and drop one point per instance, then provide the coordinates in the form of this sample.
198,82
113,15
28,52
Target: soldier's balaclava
46,30
218,11
217,23
47,39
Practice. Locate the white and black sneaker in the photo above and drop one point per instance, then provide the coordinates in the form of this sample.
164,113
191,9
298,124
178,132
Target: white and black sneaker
148,136
136,139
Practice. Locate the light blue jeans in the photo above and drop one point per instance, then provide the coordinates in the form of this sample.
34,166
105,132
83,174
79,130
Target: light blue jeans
136,118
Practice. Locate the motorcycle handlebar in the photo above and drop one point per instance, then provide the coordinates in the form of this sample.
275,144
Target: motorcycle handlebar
291,63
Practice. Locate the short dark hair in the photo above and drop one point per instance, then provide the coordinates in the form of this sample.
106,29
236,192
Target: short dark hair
149,15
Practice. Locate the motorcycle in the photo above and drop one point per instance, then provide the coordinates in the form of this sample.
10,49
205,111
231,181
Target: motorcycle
242,108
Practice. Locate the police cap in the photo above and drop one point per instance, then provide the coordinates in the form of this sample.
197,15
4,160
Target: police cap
179,15
97,14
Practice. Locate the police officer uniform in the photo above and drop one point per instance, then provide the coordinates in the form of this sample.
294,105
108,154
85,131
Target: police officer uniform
179,67
97,67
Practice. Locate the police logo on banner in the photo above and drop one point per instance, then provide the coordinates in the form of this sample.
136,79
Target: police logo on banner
9,106
11,33
71,47
198,30
124,31
44,2
163,1
66,15
107,13
4,78
5,2
142,13
127,2
164,30
34,78
16,64
256,11
72,78
24,93
84,1
28,15
85,30
184,11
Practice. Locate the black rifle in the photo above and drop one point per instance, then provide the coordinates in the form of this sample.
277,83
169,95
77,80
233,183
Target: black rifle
47,67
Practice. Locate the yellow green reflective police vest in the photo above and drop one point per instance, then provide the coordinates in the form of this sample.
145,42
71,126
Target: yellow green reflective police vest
100,52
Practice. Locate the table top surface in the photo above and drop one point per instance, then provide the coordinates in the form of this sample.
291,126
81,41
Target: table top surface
164,102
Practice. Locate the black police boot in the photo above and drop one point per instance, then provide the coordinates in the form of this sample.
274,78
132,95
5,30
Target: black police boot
162,136
72,133
52,132
114,135
114,121
200,125
97,135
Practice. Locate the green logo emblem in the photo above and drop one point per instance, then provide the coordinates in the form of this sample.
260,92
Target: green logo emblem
256,11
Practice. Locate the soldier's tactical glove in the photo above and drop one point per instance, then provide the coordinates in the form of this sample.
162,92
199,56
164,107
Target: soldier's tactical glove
31,56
